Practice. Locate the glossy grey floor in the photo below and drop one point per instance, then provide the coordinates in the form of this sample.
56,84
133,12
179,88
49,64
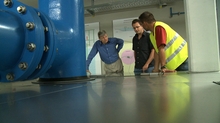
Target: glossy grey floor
170,98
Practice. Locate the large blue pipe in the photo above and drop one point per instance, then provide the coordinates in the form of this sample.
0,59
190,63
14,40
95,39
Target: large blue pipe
11,29
46,43
68,18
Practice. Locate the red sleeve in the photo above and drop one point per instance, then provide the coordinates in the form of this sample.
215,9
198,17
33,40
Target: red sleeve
161,36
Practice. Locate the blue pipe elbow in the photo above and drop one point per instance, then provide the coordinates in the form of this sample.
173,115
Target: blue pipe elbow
68,18
47,43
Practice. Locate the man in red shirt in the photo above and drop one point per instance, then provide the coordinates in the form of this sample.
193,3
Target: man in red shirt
160,32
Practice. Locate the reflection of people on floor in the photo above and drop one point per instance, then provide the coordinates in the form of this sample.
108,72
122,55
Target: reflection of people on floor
167,98
144,100
106,100
175,92
113,103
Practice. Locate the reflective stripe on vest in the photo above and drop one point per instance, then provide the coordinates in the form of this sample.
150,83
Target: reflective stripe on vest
171,41
176,51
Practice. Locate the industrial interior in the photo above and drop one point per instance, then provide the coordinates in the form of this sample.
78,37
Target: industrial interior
43,77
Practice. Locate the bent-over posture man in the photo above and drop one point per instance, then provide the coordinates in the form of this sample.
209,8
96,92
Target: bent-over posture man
108,49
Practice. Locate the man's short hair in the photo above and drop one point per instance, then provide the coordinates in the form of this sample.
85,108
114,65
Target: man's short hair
147,17
101,33
136,21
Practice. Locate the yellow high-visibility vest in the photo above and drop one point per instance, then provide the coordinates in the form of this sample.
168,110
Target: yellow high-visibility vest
176,48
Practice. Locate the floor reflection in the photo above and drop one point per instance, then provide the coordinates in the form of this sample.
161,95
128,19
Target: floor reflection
169,98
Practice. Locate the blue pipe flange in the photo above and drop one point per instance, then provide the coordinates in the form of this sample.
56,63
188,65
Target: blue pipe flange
24,52
49,48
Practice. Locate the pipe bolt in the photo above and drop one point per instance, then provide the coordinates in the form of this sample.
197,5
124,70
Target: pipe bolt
21,9
46,48
46,29
39,66
31,47
38,13
10,77
7,3
30,25
23,65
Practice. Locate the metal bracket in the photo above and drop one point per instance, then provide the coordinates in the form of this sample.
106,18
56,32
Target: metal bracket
176,13
216,82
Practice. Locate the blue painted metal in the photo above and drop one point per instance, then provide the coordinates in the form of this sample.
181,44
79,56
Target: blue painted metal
176,13
26,36
68,18
12,37
50,43
64,39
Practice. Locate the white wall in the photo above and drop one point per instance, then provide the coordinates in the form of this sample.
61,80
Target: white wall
202,33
